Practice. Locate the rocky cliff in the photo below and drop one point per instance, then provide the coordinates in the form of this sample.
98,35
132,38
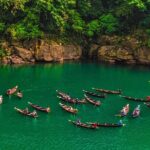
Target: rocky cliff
115,49
40,51
112,49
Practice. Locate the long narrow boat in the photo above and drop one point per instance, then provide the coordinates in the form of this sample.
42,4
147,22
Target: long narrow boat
92,101
95,94
108,91
68,108
62,94
12,91
47,110
67,99
124,111
72,100
136,112
113,125
84,125
135,99
27,113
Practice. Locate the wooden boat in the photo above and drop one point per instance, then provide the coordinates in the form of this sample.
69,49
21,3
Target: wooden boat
73,100
108,91
94,94
26,113
136,99
37,107
12,91
62,94
136,112
84,125
68,108
96,103
1,99
113,125
124,111
68,98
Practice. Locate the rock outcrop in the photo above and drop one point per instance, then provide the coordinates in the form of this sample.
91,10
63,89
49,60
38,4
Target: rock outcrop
41,51
112,49
115,49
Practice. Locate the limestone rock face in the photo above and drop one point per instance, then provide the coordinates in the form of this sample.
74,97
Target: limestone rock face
23,53
16,60
57,52
41,51
115,54
142,56
72,52
117,49
49,53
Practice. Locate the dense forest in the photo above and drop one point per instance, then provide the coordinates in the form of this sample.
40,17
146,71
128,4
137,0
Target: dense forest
29,19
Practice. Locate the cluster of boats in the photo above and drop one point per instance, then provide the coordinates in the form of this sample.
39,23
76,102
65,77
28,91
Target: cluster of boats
88,98
33,114
15,91
12,91
91,125
94,125
125,110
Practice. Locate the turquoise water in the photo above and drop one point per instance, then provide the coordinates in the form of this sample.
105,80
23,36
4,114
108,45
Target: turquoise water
53,131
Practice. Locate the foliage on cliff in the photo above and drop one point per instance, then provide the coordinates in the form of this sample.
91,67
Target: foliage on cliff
29,19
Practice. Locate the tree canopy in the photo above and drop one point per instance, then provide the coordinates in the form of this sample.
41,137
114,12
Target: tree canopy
29,19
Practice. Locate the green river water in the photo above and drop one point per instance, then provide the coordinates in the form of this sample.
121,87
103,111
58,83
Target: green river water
53,131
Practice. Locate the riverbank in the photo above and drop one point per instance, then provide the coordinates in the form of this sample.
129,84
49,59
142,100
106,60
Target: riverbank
113,49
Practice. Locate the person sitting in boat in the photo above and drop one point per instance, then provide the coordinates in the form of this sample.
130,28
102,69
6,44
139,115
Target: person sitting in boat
136,111
48,109
34,113
19,94
26,110
126,109
78,121
120,122
123,112
94,125
138,107
70,108
148,98
8,91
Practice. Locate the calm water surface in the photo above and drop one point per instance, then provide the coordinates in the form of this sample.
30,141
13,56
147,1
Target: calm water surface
53,131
